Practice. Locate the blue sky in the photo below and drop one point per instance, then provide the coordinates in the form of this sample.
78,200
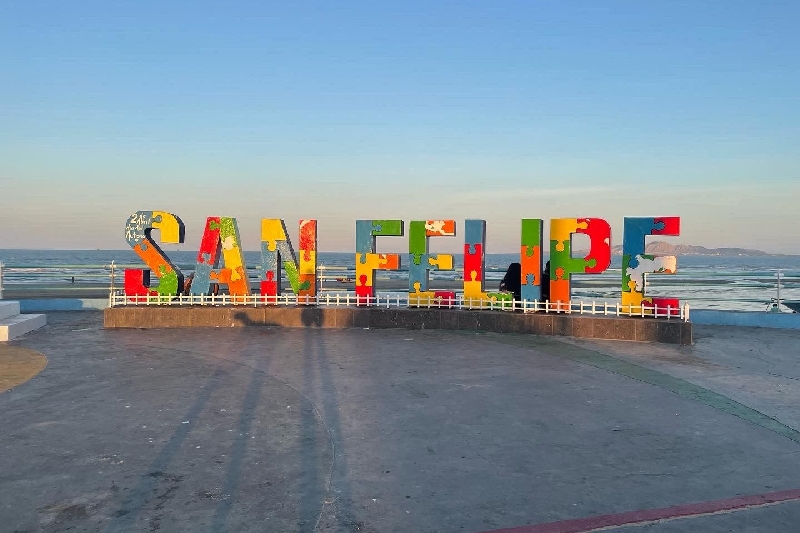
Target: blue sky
340,111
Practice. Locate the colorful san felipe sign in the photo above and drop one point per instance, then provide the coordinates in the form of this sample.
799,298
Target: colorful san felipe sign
221,244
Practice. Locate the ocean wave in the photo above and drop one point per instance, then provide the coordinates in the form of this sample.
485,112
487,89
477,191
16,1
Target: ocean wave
705,282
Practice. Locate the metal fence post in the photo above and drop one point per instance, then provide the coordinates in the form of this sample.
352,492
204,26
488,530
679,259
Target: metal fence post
111,289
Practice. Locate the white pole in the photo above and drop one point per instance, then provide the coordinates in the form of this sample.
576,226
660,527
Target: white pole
1,280
779,289
113,267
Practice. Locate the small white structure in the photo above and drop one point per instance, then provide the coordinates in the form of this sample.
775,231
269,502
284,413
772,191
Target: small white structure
13,324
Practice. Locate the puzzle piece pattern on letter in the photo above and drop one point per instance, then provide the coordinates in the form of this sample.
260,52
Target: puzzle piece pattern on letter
367,260
419,298
221,240
138,230
277,253
420,261
137,282
530,259
308,258
563,265
636,263
474,265
474,261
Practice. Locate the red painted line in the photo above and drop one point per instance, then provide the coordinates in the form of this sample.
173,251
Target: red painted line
594,523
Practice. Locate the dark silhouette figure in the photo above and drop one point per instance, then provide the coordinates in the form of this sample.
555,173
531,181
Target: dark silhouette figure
512,281
546,282
187,284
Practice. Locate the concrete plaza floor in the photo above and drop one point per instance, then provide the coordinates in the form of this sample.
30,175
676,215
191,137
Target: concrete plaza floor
268,429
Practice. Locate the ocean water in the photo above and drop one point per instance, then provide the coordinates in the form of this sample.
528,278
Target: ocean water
705,282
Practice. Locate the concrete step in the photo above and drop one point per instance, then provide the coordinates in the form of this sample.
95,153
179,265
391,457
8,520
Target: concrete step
8,309
14,326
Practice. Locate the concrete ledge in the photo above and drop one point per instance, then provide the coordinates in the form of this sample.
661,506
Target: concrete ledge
17,325
8,309
590,327
62,304
712,317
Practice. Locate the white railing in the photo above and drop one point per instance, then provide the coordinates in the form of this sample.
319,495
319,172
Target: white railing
30,280
402,301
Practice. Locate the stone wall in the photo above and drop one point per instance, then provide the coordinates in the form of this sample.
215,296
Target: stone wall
582,326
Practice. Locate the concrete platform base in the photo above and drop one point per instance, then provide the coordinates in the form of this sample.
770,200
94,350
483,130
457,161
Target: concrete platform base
13,324
8,309
581,326
295,430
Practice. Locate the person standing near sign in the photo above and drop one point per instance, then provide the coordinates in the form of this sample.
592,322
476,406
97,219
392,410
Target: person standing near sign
512,281
546,282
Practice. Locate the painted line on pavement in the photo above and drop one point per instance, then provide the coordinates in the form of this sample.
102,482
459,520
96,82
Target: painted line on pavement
649,516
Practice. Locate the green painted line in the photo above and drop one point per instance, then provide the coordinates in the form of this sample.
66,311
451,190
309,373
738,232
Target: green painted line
678,386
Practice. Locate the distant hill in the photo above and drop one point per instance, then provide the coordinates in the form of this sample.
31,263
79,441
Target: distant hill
665,248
